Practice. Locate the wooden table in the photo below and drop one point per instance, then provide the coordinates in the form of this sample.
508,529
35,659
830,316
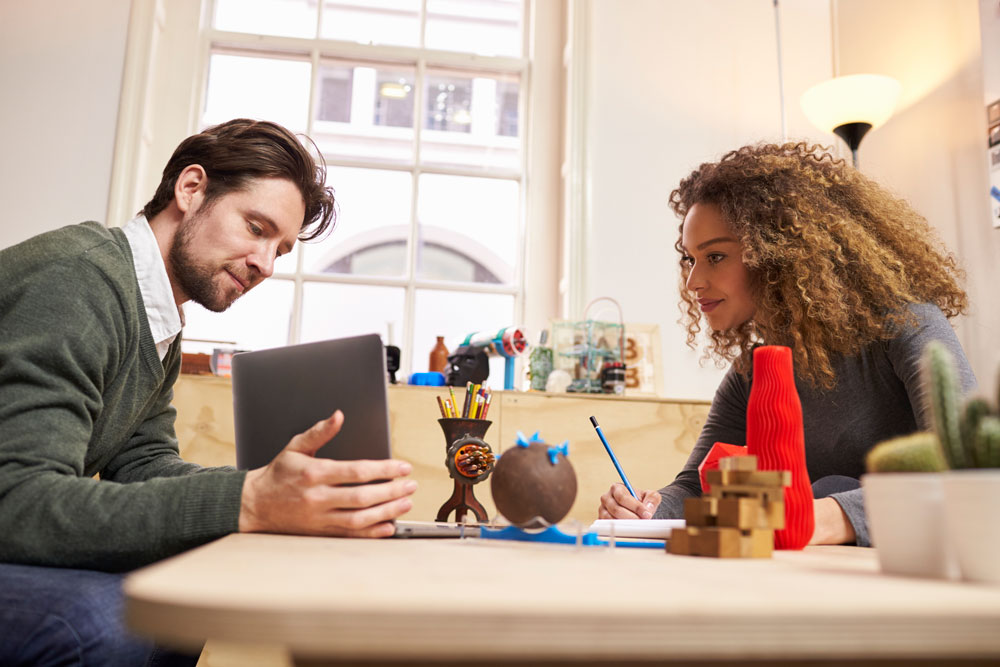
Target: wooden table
478,601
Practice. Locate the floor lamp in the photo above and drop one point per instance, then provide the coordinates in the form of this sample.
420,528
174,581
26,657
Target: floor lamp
850,106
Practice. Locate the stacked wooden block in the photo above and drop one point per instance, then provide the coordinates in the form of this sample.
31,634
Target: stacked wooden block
738,517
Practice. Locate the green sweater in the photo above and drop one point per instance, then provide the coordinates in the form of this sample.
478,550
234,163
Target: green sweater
83,393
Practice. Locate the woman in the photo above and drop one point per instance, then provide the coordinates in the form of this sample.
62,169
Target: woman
785,245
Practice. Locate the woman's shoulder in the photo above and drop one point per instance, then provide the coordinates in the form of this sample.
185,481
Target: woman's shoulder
927,322
920,321
926,312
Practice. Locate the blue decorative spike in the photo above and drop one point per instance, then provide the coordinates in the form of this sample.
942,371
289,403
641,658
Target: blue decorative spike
535,437
521,440
555,451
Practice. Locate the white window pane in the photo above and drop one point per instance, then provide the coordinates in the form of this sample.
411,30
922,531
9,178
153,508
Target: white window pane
373,21
470,120
455,315
487,27
364,110
288,262
468,222
372,228
255,321
288,18
332,310
272,89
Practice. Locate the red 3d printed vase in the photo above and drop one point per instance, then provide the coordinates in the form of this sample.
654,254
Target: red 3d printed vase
775,437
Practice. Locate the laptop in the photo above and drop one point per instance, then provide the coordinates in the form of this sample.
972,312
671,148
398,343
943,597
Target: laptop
281,392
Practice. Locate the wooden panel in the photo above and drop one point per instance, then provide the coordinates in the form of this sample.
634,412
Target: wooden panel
651,437
204,425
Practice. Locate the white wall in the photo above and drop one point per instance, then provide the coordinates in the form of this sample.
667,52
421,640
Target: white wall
672,84
932,152
60,76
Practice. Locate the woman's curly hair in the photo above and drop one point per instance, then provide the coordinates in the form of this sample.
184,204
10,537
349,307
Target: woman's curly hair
833,257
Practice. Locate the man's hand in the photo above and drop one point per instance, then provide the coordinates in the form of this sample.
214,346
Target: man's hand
618,503
300,494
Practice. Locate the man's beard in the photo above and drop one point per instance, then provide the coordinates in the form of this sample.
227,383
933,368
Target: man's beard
197,278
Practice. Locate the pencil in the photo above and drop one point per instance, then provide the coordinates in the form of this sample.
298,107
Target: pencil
614,459
468,401
475,392
486,405
453,401
444,413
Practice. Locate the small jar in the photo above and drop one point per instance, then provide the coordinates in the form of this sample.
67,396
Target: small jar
613,377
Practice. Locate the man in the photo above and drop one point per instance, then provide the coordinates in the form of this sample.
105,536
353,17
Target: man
89,352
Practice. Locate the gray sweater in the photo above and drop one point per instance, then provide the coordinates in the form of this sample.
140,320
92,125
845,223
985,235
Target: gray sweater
878,396
83,392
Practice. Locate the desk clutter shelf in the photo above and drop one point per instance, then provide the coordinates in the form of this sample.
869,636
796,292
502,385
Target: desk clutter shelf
651,436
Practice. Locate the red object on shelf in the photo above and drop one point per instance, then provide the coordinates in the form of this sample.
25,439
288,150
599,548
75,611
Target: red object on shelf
775,437
719,450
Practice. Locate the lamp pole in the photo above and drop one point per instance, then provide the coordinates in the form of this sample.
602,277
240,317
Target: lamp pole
853,133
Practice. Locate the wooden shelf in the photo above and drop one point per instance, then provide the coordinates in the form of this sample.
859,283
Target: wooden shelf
652,437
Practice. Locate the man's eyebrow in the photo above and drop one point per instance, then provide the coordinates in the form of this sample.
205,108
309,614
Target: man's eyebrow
267,220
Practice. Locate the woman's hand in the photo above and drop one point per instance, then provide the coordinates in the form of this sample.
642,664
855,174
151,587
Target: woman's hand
618,503
832,525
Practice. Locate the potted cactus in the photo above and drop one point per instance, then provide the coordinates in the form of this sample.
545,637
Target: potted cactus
929,524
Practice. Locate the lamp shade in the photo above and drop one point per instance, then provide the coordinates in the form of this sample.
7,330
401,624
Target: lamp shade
857,98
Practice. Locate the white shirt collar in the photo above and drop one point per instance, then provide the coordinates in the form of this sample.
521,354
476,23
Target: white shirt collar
154,285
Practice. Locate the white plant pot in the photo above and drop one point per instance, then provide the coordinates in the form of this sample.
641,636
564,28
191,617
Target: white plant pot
906,519
971,501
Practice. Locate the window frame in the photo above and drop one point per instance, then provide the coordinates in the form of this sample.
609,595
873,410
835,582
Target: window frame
161,63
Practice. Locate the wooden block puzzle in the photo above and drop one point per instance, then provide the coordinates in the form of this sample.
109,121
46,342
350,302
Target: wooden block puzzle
738,518
750,513
763,478
722,542
701,511
746,462
763,493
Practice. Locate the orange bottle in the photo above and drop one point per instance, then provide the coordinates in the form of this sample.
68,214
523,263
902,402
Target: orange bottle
439,357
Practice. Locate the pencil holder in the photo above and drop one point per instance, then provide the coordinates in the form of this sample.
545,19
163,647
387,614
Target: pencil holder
469,460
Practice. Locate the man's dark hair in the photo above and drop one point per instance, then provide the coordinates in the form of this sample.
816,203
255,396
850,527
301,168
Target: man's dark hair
238,151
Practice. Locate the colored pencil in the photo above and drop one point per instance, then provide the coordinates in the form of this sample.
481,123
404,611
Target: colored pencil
468,401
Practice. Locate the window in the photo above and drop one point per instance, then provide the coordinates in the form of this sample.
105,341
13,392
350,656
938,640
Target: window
418,109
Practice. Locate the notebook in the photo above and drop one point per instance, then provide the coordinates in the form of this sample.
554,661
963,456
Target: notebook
641,528
281,392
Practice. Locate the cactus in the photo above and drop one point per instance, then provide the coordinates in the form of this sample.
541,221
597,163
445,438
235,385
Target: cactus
941,387
975,410
986,442
963,436
918,452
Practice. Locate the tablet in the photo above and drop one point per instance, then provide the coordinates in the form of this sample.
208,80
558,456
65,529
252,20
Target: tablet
281,392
